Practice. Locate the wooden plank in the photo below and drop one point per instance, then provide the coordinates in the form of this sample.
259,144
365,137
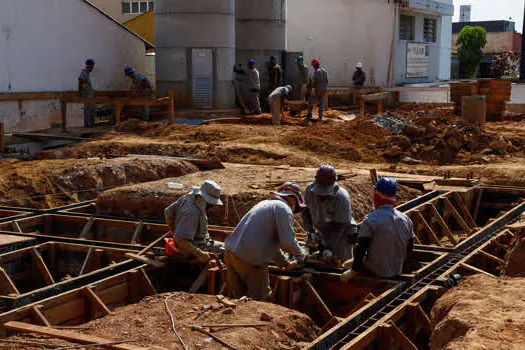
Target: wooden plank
86,261
321,306
429,230
213,273
442,223
466,228
2,135
138,231
362,107
147,286
478,204
87,228
39,316
463,208
199,281
50,136
145,260
476,270
95,301
16,227
171,107
400,338
118,113
375,97
65,334
492,257
41,266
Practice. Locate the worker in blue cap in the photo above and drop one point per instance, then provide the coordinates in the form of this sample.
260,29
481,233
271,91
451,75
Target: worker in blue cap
143,87
275,73
302,79
85,89
254,85
386,237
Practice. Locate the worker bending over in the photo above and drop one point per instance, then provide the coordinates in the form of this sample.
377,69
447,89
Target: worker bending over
318,86
358,79
254,85
188,222
302,79
277,99
143,88
257,241
328,219
85,89
386,237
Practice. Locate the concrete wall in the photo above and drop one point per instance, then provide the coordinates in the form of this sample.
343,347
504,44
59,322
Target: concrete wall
41,49
341,33
446,48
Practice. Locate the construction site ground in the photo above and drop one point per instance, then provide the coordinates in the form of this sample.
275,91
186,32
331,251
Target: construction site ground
257,157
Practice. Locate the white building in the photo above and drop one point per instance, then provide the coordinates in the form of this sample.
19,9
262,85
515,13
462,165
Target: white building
399,41
43,47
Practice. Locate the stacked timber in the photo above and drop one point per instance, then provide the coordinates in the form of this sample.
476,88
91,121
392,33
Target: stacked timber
460,90
497,94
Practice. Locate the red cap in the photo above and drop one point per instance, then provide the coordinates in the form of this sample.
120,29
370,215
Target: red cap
315,61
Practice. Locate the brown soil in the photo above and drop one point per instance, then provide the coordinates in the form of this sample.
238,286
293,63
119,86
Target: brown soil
149,324
481,313
45,180
243,187
515,257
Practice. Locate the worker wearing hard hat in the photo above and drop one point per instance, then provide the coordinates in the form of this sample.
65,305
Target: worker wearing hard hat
277,99
386,237
188,222
254,85
143,87
358,79
257,241
85,90
275,74
328,219
302,79
319,86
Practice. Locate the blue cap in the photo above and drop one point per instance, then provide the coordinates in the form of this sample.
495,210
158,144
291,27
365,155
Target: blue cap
251,62
90,62
273,58
128,70
387,186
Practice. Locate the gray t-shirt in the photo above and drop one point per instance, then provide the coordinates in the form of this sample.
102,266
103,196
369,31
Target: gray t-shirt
253,78
390,231
88,90
138,78
278,93
263,232
320,80
187,218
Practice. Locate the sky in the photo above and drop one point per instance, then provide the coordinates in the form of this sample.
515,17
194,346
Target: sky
487,10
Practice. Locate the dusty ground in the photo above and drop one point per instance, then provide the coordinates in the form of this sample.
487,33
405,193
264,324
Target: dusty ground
149,324
243,187
481,313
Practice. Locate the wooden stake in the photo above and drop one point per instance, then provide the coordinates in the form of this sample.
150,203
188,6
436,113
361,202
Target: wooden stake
41,266
64,334
476,270
361,106
199,281
321,306
464,210
459,219
373,176
118,113
148,288
39,316
7,283
209,334
492,257
399,338
429,229
16,227
171,107
442,223
380,103
87,228
420,316
138,231
86,260
96,302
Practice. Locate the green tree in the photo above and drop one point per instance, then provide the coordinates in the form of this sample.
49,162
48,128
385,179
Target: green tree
471,41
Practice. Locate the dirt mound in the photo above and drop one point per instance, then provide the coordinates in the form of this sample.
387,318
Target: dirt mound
481,313
515,257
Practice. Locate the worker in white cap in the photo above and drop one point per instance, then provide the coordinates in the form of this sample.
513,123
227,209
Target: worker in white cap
358,79
277,99
188,222
260,239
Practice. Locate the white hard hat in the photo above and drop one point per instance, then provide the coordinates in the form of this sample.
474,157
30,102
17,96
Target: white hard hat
359,65
211,192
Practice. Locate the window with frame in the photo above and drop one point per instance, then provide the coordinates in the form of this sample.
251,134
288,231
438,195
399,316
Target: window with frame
429,30
137,7
406,27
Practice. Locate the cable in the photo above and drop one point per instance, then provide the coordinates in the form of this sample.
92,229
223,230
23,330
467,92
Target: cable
173,321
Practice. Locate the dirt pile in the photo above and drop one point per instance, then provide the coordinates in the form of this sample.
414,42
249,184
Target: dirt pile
148,323
46,181
481,313
515,257
242,187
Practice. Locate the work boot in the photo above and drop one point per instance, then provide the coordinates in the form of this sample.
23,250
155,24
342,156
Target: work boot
305,122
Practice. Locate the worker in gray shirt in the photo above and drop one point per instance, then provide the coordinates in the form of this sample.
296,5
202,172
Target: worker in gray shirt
85,90
143,88
302,79
386,237
188,222
277,101
254,85
328,219
257,241
358,79
319,86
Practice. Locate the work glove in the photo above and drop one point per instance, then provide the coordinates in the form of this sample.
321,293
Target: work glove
294,265
349,275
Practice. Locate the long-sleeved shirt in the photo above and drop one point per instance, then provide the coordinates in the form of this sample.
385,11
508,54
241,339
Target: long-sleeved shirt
275,74
254,80
359,78
187,218
278,94
320,80
389,233
142,82
303,74
263,232
85,88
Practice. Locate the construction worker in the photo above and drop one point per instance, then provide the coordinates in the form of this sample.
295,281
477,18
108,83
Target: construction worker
358,80
143,87
254,85
85,90
277,99
257,241
319,86
328,219
275,73
302,81
386,237
188,222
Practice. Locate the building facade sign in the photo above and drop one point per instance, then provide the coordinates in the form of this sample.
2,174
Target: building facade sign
417,60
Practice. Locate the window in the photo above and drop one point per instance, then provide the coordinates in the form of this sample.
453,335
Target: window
137,7
429,30
406,27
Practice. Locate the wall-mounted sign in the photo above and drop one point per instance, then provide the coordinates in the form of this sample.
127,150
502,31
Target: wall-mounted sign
417,60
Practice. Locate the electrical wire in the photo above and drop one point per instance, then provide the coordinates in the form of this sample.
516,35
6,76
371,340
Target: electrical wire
173,321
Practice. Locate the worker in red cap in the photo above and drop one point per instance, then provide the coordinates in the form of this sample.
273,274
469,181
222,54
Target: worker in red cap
85,89
257,241
319,86
386,237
